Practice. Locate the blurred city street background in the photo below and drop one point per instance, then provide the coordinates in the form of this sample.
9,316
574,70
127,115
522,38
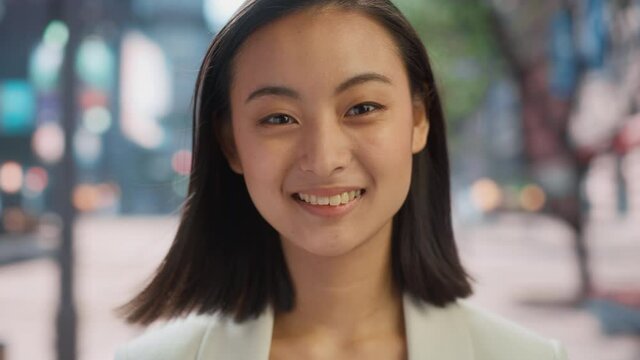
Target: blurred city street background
543,110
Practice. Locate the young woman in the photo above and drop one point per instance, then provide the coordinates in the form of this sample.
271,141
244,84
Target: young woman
317,224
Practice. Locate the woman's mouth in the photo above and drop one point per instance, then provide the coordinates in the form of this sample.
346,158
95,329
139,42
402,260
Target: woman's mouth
334,200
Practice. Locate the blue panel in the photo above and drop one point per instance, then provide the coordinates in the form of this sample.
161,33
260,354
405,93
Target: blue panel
563,57
594,35
17,107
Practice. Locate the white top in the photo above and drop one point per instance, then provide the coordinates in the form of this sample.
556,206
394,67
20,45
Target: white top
459,331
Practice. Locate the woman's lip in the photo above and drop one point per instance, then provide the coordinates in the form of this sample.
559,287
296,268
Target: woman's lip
328,210
327,192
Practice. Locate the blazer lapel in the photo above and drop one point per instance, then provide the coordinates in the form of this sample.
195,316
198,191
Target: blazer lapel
435,333
432,333
229,340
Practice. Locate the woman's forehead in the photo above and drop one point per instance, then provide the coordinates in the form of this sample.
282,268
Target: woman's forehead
312,46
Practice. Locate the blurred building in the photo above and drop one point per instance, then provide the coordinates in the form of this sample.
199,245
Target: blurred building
135,68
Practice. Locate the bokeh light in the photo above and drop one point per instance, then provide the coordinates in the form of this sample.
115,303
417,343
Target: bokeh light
532,198
94,197
93,98
11,176
97,119
86,197
486,194
181,162
48,142
45,64
36,179
56,34
87,146
95,63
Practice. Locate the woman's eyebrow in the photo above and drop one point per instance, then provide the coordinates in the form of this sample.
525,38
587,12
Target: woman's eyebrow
288,92
360,79
273,90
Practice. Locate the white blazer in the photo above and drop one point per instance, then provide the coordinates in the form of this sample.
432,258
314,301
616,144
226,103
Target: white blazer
459,331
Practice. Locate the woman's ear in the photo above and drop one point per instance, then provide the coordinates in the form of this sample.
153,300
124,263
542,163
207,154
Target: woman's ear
228,145
420,126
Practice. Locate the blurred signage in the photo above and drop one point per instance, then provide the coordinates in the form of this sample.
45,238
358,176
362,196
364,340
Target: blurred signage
593,35
563,57
17,107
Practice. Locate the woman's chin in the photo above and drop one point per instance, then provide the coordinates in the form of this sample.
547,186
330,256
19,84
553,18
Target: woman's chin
323,247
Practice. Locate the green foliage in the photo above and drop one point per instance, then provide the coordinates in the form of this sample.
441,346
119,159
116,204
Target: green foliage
463,52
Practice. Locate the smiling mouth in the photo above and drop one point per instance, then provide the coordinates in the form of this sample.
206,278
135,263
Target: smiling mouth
335,200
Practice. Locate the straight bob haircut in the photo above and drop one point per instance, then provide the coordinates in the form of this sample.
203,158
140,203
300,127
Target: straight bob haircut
226,258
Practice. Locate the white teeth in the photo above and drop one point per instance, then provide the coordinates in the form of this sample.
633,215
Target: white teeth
335,200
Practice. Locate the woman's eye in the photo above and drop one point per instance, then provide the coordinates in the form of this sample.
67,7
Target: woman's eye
278,119
362,109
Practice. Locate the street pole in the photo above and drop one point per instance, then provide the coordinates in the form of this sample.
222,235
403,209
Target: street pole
66,342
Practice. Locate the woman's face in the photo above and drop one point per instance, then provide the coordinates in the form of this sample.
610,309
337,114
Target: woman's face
321,107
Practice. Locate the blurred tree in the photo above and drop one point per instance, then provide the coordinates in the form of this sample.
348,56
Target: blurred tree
462,48
551,48
548,48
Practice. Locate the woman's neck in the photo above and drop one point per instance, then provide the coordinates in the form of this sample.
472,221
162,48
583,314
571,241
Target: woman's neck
345,298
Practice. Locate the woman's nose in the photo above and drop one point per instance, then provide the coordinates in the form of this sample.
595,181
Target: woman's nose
326,148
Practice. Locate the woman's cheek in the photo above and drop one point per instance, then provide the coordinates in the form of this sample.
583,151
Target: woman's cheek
266,160
390,144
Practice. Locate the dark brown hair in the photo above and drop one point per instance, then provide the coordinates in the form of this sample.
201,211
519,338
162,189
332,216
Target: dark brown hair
225,257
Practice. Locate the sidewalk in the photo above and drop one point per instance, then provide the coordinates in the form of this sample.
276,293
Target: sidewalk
113,258
520,260
513,259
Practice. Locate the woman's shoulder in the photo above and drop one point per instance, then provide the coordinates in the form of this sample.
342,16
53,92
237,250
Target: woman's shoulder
494,337
214,336
177,339
459,331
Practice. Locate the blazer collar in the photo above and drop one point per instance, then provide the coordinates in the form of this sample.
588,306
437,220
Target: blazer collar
436,333
432,333
227,339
